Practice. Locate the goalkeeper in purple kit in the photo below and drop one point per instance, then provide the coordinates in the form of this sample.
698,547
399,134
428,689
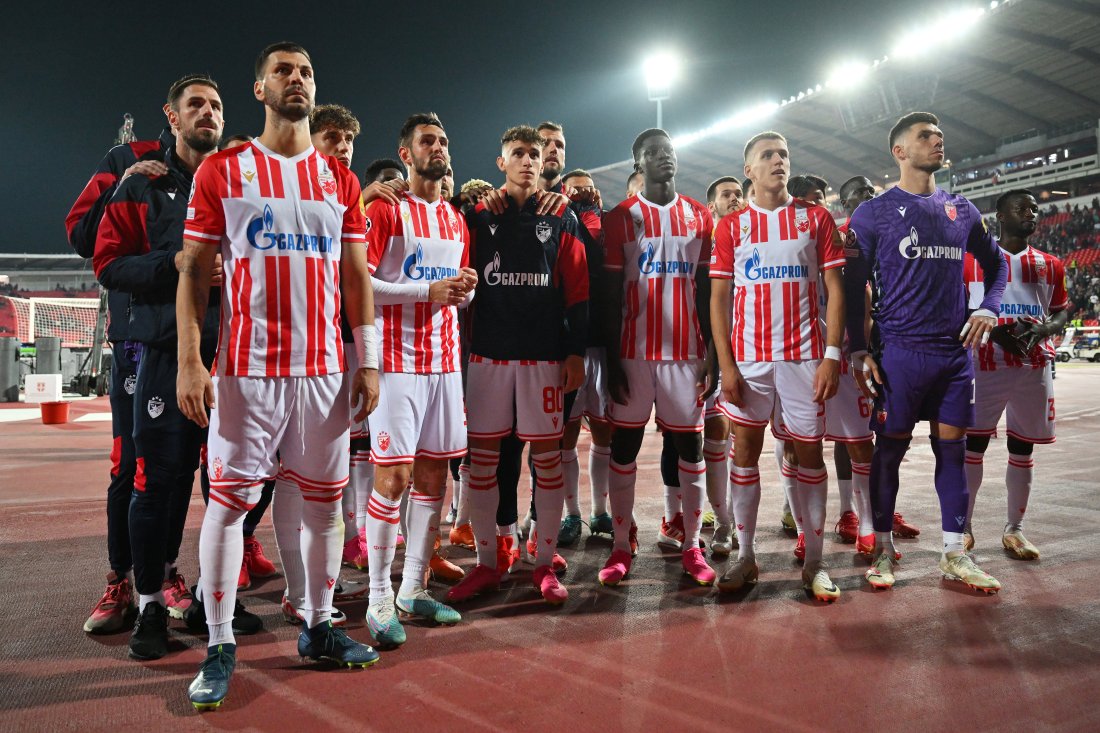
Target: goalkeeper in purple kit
910,244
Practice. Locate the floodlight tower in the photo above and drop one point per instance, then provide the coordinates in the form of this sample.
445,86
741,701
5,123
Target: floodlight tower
661,70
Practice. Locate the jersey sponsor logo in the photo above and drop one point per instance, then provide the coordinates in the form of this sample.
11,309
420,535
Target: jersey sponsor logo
293,241
369,224
648,264
543,230
493,276
950,210
910,249
415,269
190,196
755,271
155,407
1021,309
328,183
130,384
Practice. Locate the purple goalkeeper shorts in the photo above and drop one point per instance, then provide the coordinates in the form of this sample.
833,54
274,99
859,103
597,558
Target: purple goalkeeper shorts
921,386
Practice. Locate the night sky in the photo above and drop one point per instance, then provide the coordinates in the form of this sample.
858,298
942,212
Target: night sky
75,68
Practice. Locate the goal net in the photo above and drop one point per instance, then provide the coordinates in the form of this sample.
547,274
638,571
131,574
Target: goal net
71,319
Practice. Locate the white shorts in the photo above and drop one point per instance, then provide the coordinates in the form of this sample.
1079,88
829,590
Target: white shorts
848,413
359,428
710,404
799,417
418,416
591,400
1025,395
304,419
667,385
526,394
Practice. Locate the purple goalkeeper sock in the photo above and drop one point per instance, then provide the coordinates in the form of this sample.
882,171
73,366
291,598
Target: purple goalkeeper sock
884,480
951,482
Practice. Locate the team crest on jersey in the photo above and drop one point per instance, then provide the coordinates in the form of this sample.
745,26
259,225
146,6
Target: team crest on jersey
543,230
384,441
155,407
130,384
881,417
217,468
328,183
1040,266
801,220
851,248
951,212
452,222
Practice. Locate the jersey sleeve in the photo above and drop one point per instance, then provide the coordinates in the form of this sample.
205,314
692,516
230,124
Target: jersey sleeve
572,262
124,258
972,278
721,257
354,229
1059,299
981,244
378,223
205,211
860,249
618,229
830,250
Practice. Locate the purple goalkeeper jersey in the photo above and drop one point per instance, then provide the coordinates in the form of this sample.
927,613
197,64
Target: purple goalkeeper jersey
911,249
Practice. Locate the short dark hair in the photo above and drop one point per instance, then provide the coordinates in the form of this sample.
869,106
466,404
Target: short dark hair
575,173
847,186
548,125
645,135
766,135
522,134
377,166
799,186
288,46
405,136
633,173
746,185
238,138
906,121
176,90
335,116
1003,199
712,189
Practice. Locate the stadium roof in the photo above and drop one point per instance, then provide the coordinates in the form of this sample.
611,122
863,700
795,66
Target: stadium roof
988,73
40,262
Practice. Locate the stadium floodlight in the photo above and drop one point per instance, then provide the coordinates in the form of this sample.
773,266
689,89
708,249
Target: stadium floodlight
661,71
953,26
744,118
848,75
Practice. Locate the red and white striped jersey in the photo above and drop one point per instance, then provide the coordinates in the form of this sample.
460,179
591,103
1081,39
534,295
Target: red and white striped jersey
659,249
1036,288
416,242
775,259
280,223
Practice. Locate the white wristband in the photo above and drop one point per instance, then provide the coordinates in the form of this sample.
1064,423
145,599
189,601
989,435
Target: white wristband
366,346
832,352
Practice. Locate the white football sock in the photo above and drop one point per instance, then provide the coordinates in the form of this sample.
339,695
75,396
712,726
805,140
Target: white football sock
548,504
620,484
483,500
745,487
423,520
382,521
599,458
